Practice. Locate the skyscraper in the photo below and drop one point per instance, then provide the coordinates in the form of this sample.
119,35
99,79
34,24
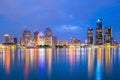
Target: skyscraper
36,38
108,35
41,39
50,40
99,32
90,36
48,32
26,38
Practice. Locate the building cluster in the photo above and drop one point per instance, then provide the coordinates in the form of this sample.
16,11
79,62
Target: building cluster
103,36
9,40
40,38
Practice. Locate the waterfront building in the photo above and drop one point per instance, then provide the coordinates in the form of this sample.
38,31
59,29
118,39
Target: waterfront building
7,38
90,36
11,40
108,35
50,40
41,39
26,38
99,32
74,40
36,38
62,42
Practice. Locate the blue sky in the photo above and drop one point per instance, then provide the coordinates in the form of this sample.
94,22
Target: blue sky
65,17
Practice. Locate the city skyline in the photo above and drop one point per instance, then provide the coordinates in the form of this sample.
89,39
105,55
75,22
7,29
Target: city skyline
73,18
105,34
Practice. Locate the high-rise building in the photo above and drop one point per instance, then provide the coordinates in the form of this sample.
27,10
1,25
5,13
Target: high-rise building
99,32
90,34
41,39
108,35
36,38
26,38
48,32
49,39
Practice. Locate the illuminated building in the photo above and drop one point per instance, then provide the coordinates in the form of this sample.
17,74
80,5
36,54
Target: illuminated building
99,33
74,40
11,40
90,36
7,38
108,35
36,38
26,39
49,39
41,39
62,42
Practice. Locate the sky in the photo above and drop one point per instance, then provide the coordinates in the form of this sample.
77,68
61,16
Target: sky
66,18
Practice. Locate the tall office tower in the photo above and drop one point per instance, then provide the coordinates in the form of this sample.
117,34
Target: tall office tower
108,35
99,32
50,40
36,38
26,37
48,32
41,39
90,35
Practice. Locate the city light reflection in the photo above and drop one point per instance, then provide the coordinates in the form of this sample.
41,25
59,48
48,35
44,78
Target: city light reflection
41,60
7,60
107,59
99,63
90,62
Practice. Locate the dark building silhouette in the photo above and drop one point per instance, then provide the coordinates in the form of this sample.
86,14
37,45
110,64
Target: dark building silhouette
90,36
99,32
15,40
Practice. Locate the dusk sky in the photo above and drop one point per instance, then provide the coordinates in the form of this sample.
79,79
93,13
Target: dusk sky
65,17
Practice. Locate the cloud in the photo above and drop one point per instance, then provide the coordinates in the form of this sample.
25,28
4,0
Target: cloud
70,27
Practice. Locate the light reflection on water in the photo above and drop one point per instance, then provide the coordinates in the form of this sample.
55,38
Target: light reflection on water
69,63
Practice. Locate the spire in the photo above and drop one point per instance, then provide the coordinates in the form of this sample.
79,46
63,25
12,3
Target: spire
25,27
99,20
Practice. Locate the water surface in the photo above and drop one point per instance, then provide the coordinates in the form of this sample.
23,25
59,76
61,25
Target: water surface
60,64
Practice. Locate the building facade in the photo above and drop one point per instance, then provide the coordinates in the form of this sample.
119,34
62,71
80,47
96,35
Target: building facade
62,42
50,40
99,32
36,38
41,39
7,38
26,39
90,36
108,35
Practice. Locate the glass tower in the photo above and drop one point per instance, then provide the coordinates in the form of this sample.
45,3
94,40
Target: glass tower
99,32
